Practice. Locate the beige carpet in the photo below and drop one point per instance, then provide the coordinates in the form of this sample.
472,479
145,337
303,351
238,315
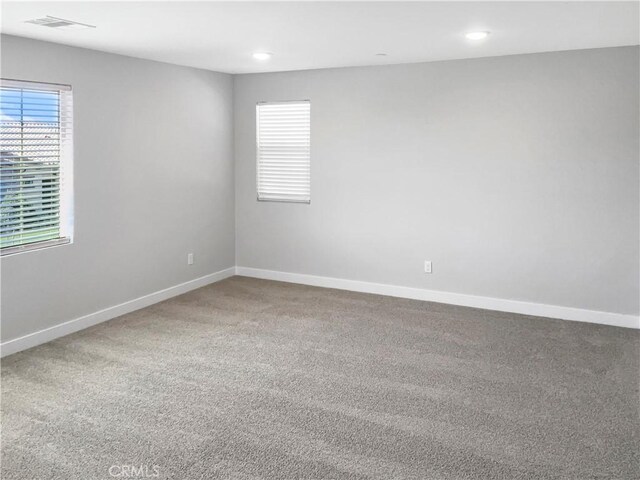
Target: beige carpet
250,379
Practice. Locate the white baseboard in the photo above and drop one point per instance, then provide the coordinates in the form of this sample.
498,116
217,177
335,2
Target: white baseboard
487,303
51,333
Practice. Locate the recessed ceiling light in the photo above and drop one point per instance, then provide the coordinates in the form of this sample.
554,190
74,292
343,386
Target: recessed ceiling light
262,56
59,23
477,35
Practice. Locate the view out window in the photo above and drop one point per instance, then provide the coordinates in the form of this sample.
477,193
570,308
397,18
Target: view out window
36,155
283,131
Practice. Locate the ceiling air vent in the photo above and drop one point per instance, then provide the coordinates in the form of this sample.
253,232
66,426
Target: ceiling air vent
59,23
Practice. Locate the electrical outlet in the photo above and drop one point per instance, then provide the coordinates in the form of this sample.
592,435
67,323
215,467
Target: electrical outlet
427,266
189,258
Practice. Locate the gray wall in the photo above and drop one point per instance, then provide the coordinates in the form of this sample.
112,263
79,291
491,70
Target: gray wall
153,181
517,176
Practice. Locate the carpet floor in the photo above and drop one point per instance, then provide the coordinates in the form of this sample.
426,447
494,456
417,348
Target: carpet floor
248,379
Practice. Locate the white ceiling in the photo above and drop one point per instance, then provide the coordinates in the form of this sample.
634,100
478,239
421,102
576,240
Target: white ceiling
222,36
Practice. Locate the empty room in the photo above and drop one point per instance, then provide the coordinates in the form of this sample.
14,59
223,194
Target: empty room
320,240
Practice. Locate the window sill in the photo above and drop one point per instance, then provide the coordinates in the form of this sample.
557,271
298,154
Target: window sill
7,251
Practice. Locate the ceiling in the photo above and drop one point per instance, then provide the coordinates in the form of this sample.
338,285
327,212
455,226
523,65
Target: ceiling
222,36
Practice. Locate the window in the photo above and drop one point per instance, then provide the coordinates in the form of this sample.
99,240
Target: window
36,155
284,151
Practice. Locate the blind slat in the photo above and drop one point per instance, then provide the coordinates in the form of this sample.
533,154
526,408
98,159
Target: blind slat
27,238
34,227
20,183
21,223
12,198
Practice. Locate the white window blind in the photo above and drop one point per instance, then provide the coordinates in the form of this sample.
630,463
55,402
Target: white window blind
284,151
35,165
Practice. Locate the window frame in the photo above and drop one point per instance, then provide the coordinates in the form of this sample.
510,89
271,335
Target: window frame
257,124
65,160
